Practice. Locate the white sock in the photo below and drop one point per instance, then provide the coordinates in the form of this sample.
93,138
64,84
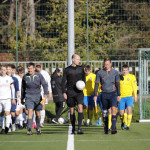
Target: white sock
42,113
17,119
21,119
8,120
34,117
2,122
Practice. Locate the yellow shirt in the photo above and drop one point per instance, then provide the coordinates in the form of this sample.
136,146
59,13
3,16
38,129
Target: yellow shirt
128,87
90,84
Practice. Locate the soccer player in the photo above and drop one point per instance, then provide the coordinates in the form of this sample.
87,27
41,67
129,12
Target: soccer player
48,80
128,87
56,84
14,110
110,81
31,85
88,96
72,95
7,96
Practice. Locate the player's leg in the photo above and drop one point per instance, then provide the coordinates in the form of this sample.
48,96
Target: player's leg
129,111
79,99
113,105
85,109
30,121
21,119
2,118
99,102
38,118
121,109
42,113
109,119
60,109
13,116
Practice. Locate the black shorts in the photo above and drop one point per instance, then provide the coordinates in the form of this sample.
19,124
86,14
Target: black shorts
109,100
75,100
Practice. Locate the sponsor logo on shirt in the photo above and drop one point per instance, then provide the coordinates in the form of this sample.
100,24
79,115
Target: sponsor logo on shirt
128,79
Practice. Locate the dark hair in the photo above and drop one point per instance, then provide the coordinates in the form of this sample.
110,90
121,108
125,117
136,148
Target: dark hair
4,65
9,65
125,66
57,70
20,69
87,67
13,66
107,59
38,65
30,64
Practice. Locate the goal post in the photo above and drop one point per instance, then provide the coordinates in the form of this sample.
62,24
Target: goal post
144,84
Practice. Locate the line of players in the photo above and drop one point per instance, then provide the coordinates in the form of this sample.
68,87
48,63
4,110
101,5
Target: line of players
16,115
128,91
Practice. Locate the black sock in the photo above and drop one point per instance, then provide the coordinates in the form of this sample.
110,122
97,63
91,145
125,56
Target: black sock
30,122
13,120
114,119
105,122
38,122
80,117
72,118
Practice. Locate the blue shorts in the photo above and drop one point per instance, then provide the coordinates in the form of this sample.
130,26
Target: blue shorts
13,107
126,102
109,100
99,101
88,100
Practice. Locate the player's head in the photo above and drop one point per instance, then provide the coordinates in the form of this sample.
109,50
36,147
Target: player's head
31,68
87,69
107,64
75,59
38,68
3,70
9,69
125,69
58,72
13,67
20,71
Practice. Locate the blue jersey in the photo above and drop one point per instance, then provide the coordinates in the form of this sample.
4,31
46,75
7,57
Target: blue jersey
16,85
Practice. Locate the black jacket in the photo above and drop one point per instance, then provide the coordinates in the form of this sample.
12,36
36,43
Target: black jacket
56,82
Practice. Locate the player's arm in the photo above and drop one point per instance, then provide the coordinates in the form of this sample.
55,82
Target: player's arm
23,88
134,87
64,81
13,93
44,84
117,84
83,76
97,81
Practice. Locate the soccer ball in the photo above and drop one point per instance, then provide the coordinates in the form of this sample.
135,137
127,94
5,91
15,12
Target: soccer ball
80,85
62,120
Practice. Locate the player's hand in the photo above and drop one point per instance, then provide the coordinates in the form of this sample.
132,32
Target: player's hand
13,102
65,96
135,99
95,98
50,95
118,98
45,96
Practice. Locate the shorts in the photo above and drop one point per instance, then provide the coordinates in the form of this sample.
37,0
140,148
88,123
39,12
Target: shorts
125,102
109,100
18,106
5,105
33,102
77,99
99,101
88,100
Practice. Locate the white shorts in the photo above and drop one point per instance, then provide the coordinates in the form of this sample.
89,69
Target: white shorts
18,106
5,105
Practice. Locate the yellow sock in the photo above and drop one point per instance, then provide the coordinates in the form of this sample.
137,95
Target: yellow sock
129,118
121,118
125,118
101,115
95,115
90,115
85,115
109,121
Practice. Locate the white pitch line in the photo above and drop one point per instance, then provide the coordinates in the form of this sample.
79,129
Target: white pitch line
31,141
122,140
70,143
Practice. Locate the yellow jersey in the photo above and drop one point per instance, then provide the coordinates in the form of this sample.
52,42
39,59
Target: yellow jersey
128,87
90,84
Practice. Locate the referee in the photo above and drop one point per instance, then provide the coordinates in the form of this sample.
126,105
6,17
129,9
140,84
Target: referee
31,91
110,81
72,95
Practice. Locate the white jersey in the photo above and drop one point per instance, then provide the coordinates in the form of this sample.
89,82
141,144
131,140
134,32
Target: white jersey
48,81
5,87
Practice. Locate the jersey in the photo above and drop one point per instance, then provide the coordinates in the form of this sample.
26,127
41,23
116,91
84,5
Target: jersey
89,85
128,86
5,90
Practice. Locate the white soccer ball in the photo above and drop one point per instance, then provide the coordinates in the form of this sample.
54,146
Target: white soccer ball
62,120
80,85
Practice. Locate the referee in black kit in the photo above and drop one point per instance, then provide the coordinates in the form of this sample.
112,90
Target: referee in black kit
110,81
72,95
